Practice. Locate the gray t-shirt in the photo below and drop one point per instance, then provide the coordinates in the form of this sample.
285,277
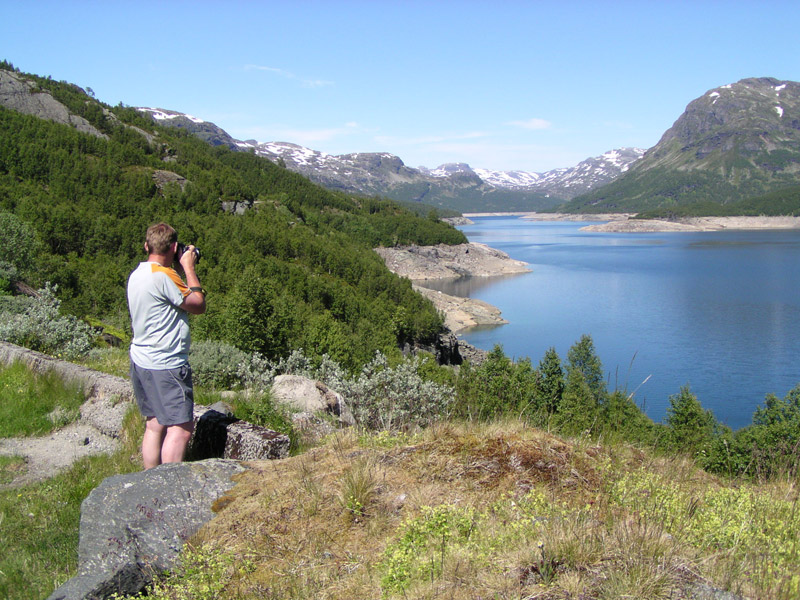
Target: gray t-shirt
160,329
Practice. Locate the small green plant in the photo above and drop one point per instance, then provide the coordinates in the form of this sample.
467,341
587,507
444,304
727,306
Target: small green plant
755,528
202,574
422,545
10,468
357,488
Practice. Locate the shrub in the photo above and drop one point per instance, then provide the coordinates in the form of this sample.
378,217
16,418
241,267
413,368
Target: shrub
395,398
768,447
380,397
691,427
41,327
577,412
498,387
217,364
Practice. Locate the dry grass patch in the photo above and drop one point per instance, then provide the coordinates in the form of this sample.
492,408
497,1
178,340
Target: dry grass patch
468,511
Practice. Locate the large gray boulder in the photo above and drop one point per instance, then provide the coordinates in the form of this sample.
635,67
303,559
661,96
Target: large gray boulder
305,395
134,526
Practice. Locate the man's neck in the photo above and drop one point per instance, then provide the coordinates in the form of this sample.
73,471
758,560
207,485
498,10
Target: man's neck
161,259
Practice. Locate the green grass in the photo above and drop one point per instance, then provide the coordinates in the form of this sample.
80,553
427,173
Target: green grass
39,522
114,361
10,467
35,404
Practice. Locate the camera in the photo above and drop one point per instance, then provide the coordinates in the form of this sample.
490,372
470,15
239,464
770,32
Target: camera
182,248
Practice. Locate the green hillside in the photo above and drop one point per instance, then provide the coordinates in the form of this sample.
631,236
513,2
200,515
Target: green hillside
734,151
294,269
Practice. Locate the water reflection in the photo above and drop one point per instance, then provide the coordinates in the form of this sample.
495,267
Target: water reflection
719,311
465,287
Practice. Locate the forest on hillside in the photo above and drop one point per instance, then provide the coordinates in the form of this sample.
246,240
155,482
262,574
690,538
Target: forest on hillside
295,270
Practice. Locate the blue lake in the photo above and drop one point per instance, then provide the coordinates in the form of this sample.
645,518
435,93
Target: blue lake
718,311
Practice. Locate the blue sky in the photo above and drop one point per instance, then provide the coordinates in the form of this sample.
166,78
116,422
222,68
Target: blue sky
504,85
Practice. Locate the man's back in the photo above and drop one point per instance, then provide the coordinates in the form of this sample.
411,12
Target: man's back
160,329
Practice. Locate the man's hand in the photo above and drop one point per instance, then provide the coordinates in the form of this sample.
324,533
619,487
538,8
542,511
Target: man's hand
188,259
194,303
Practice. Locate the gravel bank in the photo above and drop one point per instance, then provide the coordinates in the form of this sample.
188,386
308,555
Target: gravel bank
631,225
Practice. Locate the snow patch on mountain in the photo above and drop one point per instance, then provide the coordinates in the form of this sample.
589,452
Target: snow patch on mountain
379,172
159,114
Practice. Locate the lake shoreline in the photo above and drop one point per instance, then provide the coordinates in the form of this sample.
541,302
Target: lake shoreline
628,223
428,263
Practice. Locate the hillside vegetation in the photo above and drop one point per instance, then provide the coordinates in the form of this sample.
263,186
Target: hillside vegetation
294,270
734,151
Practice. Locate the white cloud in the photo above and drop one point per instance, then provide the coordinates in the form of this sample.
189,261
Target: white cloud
534,123
309,83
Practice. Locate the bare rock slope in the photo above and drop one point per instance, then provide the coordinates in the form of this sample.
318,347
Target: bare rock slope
419,263
424,263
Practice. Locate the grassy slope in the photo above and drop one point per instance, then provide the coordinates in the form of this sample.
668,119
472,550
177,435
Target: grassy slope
499,511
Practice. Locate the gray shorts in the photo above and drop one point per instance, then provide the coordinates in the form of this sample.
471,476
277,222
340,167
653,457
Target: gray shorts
166,395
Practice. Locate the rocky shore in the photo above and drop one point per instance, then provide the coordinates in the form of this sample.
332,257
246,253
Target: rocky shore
627,224
462,313
424,263
419,263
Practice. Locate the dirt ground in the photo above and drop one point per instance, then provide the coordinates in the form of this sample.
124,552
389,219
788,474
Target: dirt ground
47,455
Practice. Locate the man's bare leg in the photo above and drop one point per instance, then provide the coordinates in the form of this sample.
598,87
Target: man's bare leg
151,442
175,442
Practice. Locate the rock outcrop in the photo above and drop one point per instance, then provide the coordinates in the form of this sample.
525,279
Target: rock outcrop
462,313
23,95
134,526
419,263
423,263
108,399
221,435
631,225
305,395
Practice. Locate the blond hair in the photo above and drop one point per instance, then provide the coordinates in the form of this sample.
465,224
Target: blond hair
160,237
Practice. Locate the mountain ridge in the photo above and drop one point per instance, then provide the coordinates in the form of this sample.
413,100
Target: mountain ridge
451,185
731,146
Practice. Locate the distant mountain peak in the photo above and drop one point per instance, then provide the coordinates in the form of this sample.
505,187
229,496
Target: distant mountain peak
454,185
735,142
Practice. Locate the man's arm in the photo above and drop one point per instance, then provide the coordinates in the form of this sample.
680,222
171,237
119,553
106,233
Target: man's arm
195,302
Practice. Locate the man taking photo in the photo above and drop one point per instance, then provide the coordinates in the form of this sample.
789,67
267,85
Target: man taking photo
160,302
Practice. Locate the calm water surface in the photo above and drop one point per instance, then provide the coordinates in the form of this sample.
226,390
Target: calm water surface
718,311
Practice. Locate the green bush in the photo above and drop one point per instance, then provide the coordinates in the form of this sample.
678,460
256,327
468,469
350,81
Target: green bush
394,398
216,364
691,428
768,447
499,387
41,327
